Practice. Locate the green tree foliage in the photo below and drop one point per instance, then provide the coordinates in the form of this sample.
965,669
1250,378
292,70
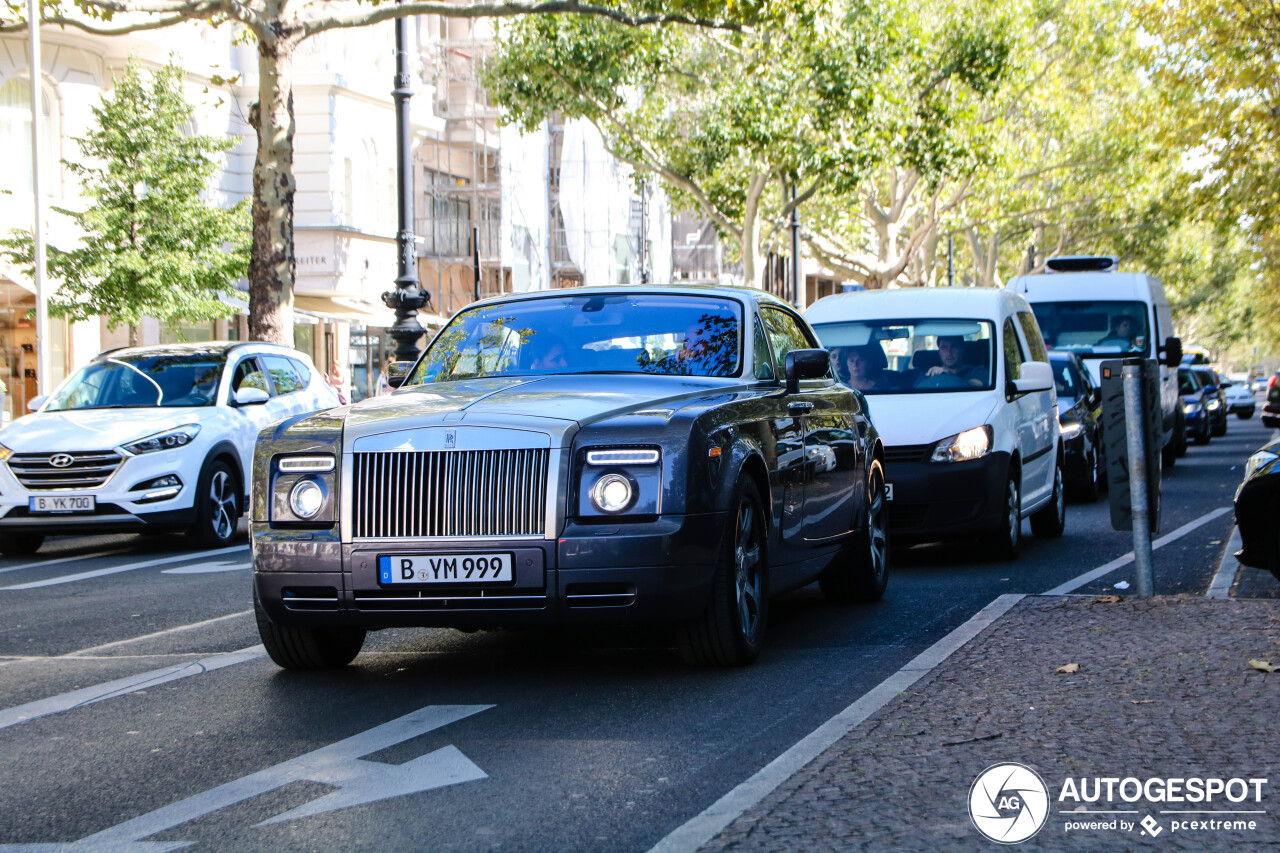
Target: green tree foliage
728,119
151,245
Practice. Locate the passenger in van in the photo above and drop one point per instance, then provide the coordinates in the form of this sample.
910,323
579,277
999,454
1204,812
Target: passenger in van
951,356
865,368
1122,333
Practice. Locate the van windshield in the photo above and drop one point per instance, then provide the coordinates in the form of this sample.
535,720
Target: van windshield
1097,328
911,356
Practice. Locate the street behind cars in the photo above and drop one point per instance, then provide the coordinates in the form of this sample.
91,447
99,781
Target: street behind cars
149,439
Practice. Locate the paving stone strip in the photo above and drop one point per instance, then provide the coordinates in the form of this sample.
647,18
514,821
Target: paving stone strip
1164,690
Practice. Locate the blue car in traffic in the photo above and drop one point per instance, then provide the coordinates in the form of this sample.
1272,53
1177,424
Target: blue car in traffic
1195,404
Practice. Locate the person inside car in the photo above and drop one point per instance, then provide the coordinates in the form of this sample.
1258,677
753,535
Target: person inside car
1122,333
865,368
952,361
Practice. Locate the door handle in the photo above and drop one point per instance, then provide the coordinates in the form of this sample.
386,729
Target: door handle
799,407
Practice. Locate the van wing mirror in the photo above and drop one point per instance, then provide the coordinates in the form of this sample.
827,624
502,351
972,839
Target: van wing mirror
805,364
1036,376
1172,351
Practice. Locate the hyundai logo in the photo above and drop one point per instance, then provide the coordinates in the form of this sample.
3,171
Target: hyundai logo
61,460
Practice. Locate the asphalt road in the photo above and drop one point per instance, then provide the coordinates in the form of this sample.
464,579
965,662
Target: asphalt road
532,741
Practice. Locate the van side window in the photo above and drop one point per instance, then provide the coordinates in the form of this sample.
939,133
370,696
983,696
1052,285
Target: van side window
1031,331
1013,356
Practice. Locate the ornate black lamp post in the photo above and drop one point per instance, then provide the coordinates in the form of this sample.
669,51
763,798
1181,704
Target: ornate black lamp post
408,297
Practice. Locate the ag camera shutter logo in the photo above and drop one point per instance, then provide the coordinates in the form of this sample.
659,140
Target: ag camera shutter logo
1008,803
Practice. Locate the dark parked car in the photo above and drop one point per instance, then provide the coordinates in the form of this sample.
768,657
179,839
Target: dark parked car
1216,405
1194,405
665,454
1257,508
1084,466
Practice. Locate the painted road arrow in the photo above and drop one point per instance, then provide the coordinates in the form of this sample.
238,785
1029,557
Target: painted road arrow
340,764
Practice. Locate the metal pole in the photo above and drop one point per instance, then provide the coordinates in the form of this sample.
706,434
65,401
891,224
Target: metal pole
407,298
795,249
43,356
644,231
475,260
1135,435
951,260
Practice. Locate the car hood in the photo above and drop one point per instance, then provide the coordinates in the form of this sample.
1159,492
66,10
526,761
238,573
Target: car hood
906,419
570,398
91,429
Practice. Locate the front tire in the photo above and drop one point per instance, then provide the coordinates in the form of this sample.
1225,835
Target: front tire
306,648
1049,521
730,630
20,544
217,507
1007,536
861,572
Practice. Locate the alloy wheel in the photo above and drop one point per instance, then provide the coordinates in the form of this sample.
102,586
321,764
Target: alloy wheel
747,579
876,530
222,505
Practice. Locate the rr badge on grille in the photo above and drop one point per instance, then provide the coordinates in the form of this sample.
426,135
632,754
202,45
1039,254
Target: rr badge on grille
61,460
450,438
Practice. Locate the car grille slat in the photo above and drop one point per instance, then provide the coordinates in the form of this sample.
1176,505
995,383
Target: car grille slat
87,470
452,493
906,453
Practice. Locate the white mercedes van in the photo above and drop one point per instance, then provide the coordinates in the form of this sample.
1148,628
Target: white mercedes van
960,388
1085,305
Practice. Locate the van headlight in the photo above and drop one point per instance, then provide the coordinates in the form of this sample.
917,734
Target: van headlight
964,446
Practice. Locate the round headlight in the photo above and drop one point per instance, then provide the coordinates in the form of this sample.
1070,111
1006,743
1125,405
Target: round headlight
612,493
306,499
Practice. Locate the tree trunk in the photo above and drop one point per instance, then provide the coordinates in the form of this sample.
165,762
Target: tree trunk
753,266
272,266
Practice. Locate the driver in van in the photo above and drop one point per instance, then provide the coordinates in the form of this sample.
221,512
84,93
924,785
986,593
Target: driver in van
951,355
1122,333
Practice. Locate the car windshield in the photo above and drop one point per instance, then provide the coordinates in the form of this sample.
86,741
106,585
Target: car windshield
911,356
1094,329
632,333
141,382
1187,384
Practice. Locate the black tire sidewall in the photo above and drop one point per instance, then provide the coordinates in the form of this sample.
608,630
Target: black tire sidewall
202,531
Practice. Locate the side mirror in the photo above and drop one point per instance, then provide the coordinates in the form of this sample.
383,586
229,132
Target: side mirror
1172,351
34,404
805,364
1036,376
398,372
250,397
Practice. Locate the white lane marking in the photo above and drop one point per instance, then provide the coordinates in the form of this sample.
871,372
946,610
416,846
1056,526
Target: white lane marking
44,563
207,568
1228,566
121,686
1107,568
701,828
154,634
127,567
358,780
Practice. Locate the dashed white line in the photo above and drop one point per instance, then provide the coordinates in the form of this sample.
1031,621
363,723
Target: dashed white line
43,563
127,567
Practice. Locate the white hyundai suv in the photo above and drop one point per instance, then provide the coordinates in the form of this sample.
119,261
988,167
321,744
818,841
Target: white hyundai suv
150,439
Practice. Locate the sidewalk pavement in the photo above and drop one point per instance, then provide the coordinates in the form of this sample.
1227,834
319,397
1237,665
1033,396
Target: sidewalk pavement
1164,690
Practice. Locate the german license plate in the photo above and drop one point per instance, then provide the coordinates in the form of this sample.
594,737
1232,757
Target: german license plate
446,568
888,491
61,503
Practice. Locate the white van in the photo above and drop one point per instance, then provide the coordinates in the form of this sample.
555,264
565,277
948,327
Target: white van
960,388
1085,305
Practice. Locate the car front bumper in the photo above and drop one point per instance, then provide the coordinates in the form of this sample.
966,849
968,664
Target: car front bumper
933,500
652,571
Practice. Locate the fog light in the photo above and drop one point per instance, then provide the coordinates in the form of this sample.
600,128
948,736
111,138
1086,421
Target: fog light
306,499
612,493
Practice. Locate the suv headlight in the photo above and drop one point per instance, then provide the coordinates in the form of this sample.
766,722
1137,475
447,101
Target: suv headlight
167,440
619,481
964,446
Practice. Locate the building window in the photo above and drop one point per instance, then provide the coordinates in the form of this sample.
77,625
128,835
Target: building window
446,227
15,137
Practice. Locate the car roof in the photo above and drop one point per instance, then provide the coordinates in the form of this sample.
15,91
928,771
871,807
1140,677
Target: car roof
924,302
213,348
756,294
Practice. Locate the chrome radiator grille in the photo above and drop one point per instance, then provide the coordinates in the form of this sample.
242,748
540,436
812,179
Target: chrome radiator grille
79,470
449,493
